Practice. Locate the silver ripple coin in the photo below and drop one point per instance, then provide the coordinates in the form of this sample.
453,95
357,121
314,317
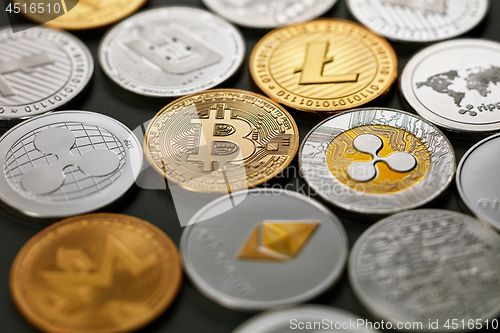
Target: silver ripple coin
271,248
269,13
40,70
377,161
306,319
417,20
456,85
171,51
478,180
432,270
67,163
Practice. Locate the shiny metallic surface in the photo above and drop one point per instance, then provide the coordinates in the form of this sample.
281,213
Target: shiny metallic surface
67,163
478,181
417,20
427,265
40,70
321,318
402,163
256,250
456,85
269,13
171,51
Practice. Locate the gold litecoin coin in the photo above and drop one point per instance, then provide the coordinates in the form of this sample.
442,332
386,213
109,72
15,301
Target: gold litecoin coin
96,273
326,65
79,15
221,141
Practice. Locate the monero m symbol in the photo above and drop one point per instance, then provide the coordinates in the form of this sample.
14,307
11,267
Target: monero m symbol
314,65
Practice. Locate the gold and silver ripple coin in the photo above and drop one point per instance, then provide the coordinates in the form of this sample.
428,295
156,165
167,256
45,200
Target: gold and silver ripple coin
323,66
171,51
269,13
40,70
428,270
377,161
419,21
221,140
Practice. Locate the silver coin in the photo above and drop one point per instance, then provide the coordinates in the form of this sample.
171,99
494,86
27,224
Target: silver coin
377,161
478,180
67,163
306,319
269,13
418,20
423,266
271,248
171,51
40,70
456,85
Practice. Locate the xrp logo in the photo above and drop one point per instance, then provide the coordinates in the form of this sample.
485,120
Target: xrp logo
483,107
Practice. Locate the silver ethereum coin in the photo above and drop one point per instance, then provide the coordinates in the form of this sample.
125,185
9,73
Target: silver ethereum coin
263,248
456,85
306,319
478,180
67,163
171,51
428,267
417,20
40,70
269,13
377,161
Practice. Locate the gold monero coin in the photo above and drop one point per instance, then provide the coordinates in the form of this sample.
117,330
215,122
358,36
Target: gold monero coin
85,14
221,141
326,65
96,273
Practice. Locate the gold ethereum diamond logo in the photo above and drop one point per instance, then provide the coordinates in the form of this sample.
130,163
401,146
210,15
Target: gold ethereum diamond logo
277,241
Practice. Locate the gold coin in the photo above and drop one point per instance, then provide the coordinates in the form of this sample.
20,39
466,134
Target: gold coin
326,65
221,140
86,14
96,273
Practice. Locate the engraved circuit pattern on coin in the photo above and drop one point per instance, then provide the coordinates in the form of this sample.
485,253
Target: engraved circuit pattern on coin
171,51
40,70
325,65
426,265
269,13
96,273
67,163
456,85
86,14
224,138
401,163
260,253
478,181
419,20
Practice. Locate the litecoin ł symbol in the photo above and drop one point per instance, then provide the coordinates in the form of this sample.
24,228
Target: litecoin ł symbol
437,6
173,49
371,144
314,65
25,65
212,149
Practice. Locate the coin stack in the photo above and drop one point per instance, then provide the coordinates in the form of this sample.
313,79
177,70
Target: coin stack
241,167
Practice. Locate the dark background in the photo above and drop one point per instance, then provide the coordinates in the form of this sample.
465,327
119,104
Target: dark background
192,312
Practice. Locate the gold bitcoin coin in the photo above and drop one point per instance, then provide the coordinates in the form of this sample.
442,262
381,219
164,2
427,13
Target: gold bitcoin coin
96,273
326,65
78,15
221,140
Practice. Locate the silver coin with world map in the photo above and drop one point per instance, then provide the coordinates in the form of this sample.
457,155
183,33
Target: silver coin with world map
421,21
269,13
456,85
435,269
40,70
171,51
305,319
377,161
67,163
